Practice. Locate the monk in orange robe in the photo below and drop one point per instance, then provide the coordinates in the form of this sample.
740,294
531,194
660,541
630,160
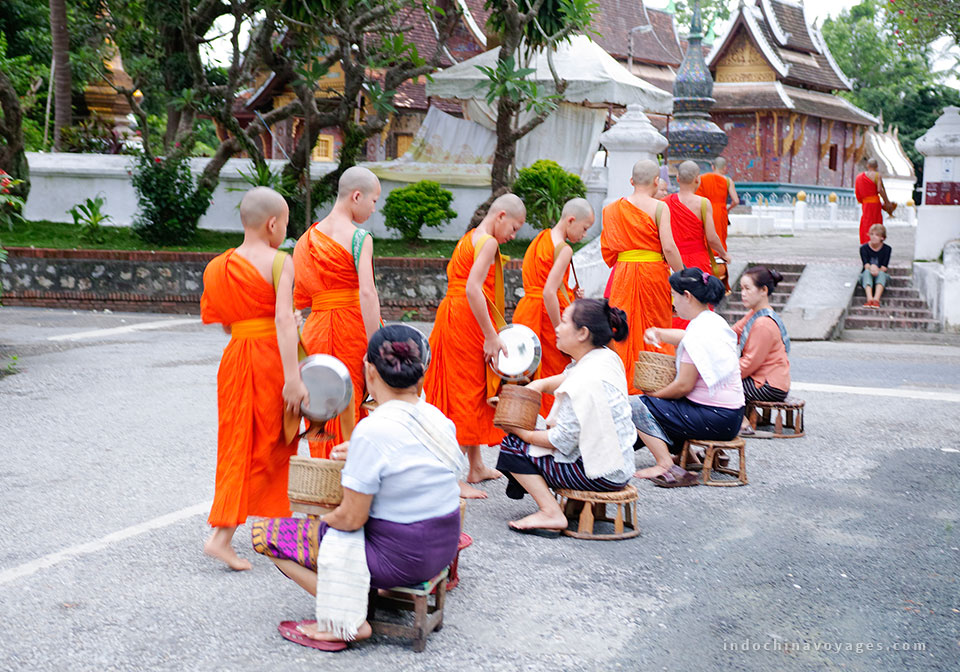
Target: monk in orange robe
869,190
637,237
258,373
334,271
465,336
546,292
717,187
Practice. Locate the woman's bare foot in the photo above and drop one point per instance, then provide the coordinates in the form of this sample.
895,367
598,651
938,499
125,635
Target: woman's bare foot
310,630
651,472
541,521
482,474
470,492
220,548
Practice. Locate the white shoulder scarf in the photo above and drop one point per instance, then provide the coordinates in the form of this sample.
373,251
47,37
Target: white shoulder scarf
599,443
712,345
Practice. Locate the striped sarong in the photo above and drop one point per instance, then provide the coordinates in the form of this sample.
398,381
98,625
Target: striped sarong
515,459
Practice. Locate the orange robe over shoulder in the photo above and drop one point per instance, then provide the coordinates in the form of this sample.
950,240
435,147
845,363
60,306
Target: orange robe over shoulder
868,195
530,311
715,188
640,288
252,457
327,282
456,381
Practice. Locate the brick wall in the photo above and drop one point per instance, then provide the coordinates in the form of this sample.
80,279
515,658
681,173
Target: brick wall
173,281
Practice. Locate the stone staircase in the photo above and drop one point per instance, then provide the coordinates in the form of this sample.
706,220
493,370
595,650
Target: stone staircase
901,308
732,308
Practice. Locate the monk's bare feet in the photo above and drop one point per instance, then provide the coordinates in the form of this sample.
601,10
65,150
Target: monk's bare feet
651,472
541,521
470,492
481,474
218,546
310,630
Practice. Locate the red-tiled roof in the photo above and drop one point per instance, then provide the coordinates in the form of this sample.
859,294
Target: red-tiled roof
751,96
613,20
412,96
790,18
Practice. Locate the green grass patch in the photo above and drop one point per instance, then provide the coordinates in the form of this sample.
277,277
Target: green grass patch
62,235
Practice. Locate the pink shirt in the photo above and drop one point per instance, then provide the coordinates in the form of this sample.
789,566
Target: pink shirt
727,395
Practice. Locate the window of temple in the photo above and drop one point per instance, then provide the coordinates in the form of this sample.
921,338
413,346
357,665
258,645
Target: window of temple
323,150
833,157
404,140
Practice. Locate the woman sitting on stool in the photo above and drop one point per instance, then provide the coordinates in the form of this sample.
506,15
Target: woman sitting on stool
764,344
399,521
705,400
587,440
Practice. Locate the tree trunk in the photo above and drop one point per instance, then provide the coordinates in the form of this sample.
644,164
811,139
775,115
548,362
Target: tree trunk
62,115
13,158
173,123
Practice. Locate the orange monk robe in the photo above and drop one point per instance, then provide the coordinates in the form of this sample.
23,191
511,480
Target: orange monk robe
687,229
327,282
868,195
715,188
252,457
530,311
640,288
456,381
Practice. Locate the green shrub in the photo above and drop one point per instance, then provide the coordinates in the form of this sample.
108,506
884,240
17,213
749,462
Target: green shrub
544,188
170,205
89,216
410,208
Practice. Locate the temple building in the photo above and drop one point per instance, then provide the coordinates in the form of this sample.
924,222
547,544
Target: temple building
774,88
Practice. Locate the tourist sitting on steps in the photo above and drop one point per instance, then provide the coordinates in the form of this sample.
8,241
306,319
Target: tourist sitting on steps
763,341
587,440
399,521
705,400
875,257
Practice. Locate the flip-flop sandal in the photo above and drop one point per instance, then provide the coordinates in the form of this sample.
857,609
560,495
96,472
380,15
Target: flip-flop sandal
748,431
289,630
675,478
536,531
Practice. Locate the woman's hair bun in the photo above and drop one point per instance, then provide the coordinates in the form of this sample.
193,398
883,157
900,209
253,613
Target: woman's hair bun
603,321
400,354
703,286
776,276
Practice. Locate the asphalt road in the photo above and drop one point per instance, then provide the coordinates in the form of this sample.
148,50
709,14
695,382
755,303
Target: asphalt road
846,539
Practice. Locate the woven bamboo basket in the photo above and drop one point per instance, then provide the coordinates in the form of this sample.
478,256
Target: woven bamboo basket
654,371
517,407
313,485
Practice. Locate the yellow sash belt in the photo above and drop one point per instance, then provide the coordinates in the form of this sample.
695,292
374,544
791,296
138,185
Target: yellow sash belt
870,199
258,327
332,299
640,255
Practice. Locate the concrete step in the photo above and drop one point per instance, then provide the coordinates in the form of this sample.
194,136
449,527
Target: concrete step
893,292
891,311
890,323
891,302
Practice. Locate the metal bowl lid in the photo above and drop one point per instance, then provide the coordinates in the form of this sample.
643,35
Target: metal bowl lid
328,382
523,353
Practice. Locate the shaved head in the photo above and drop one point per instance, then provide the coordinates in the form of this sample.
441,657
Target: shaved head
720,163
644,172
357,178
578,208
872,163
260,204
510,204
687,172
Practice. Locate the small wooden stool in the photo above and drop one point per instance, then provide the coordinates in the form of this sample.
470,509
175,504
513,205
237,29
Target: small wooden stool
791,407
595,510
710,452
426,617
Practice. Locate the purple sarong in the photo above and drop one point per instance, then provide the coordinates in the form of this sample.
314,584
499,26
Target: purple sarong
398,554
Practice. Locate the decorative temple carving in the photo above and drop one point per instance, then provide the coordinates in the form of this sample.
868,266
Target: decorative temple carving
743,62
798,143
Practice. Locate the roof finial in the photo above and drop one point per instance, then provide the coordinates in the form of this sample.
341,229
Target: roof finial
696,25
